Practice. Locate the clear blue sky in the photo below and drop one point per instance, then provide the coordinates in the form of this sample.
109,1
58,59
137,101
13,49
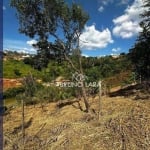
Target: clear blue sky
112,27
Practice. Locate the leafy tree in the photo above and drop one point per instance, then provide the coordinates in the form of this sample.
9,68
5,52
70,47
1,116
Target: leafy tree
140,53
49,18
45,19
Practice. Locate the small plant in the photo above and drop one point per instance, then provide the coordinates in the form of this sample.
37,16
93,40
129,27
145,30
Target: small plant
17,72
13,92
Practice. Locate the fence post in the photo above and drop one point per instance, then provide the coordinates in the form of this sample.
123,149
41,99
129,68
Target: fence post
23,128
100,99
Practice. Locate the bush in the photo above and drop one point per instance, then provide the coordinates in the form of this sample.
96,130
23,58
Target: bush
17,72
48,94
53,93
10,93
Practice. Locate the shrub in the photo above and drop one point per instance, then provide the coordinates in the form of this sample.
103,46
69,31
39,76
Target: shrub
10,93
53,93
17,72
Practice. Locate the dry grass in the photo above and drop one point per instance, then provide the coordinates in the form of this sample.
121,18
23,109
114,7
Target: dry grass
124,125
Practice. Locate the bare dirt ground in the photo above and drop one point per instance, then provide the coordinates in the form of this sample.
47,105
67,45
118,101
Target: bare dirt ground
10,83
124,124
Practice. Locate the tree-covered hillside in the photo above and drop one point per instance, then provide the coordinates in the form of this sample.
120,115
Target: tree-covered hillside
93,67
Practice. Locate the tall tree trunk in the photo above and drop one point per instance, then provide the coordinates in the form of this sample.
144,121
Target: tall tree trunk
83,89
87,106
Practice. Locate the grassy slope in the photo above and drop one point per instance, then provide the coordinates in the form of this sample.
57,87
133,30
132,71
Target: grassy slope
124,124
10,65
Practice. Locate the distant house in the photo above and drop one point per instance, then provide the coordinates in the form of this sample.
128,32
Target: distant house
115,56
25,56
15,55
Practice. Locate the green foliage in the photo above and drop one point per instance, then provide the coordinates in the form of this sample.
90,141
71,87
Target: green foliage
30,85
29,61
54,70
105,67
93,74
10,65
51,18
140,56
140,53
94,69
13,92
17,72
53,93
46,94
44,19
30,88
36,93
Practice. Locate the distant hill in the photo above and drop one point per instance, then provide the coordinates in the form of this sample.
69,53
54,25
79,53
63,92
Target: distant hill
8,54
114,70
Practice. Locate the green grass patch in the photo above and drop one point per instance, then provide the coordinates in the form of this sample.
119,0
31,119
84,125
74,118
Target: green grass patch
17,69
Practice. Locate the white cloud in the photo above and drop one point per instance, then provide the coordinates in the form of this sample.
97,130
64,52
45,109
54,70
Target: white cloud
4,8
101,9
127,25
85,55
31,42
18,45
116,49
94,39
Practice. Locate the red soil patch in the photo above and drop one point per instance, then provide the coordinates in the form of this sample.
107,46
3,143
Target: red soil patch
10,83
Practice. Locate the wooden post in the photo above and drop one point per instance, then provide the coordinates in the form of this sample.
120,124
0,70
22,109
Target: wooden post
100,97
140,79
23,129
